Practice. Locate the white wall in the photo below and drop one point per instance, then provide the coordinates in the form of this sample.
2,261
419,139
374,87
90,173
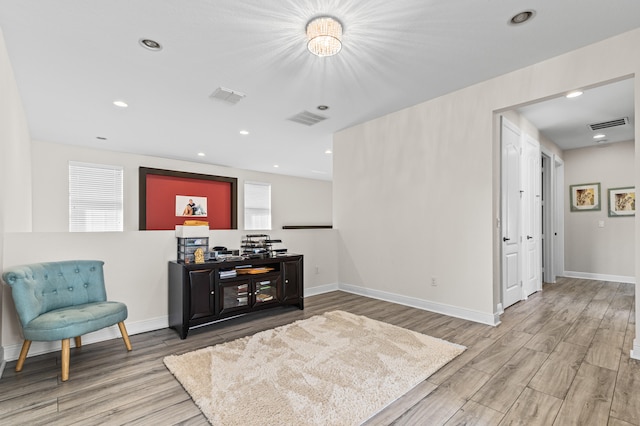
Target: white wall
591,251
15,169
15,150
417,192
136,261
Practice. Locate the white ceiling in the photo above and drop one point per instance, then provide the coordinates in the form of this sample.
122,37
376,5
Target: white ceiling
72,58
566,120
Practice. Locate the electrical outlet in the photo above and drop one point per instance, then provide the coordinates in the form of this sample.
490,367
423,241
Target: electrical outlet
434,282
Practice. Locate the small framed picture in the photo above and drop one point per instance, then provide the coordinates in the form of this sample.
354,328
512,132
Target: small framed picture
622,201
189,205
585,197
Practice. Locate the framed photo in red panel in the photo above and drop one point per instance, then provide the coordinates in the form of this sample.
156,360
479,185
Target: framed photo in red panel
168,198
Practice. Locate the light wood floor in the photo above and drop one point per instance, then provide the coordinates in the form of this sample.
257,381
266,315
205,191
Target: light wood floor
560,358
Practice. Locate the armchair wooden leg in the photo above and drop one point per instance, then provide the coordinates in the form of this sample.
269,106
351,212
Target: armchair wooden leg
125,336
78,340
66,344
23,354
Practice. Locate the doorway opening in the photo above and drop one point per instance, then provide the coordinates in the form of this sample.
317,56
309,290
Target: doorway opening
562,124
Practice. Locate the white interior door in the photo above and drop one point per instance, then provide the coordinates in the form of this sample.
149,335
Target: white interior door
531,216
511,214
548,274
549,219
558,225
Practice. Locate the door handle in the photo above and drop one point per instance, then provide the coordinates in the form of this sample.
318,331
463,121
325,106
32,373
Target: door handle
505,239
529,237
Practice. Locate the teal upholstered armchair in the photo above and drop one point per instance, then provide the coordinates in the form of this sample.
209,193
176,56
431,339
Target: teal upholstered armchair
61,300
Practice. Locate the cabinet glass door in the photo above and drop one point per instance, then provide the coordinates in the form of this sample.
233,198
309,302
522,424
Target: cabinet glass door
266,289
235,295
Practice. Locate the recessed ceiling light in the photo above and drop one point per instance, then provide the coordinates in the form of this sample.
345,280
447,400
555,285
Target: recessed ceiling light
244,132
522,17
328,151
201,154
599,136
574,94
147,43
323,107
276,166
121,104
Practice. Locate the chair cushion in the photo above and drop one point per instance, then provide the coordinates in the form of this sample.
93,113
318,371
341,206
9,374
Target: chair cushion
74,321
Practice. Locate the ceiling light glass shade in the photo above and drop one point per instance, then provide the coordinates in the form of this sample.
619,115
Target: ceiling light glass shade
325,36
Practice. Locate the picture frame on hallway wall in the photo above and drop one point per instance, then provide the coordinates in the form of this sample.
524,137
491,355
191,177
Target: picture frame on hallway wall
622,201
585,197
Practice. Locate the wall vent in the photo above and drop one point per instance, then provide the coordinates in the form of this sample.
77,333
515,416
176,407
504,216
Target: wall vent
607,124
307,118
227,95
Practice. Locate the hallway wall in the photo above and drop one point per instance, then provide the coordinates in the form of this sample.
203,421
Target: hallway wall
591,251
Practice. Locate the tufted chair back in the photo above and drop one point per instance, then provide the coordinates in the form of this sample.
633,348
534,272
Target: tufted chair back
43,287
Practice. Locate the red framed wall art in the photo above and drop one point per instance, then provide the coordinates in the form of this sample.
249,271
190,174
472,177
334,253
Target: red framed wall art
168,198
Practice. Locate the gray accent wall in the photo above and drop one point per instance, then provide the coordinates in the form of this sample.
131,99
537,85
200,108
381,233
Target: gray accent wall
592,250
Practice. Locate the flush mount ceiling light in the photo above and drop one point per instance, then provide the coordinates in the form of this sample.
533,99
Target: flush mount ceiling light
522,17
324,35
150,44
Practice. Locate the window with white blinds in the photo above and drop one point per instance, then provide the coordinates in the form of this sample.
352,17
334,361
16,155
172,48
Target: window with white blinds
257,206
95,197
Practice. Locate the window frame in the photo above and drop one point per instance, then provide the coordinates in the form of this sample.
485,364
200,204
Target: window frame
269,208
84,198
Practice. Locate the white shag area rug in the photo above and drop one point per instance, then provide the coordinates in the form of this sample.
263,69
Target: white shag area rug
331,369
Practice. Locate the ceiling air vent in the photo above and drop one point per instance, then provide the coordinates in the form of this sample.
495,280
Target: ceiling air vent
227,95
307,118
608,124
